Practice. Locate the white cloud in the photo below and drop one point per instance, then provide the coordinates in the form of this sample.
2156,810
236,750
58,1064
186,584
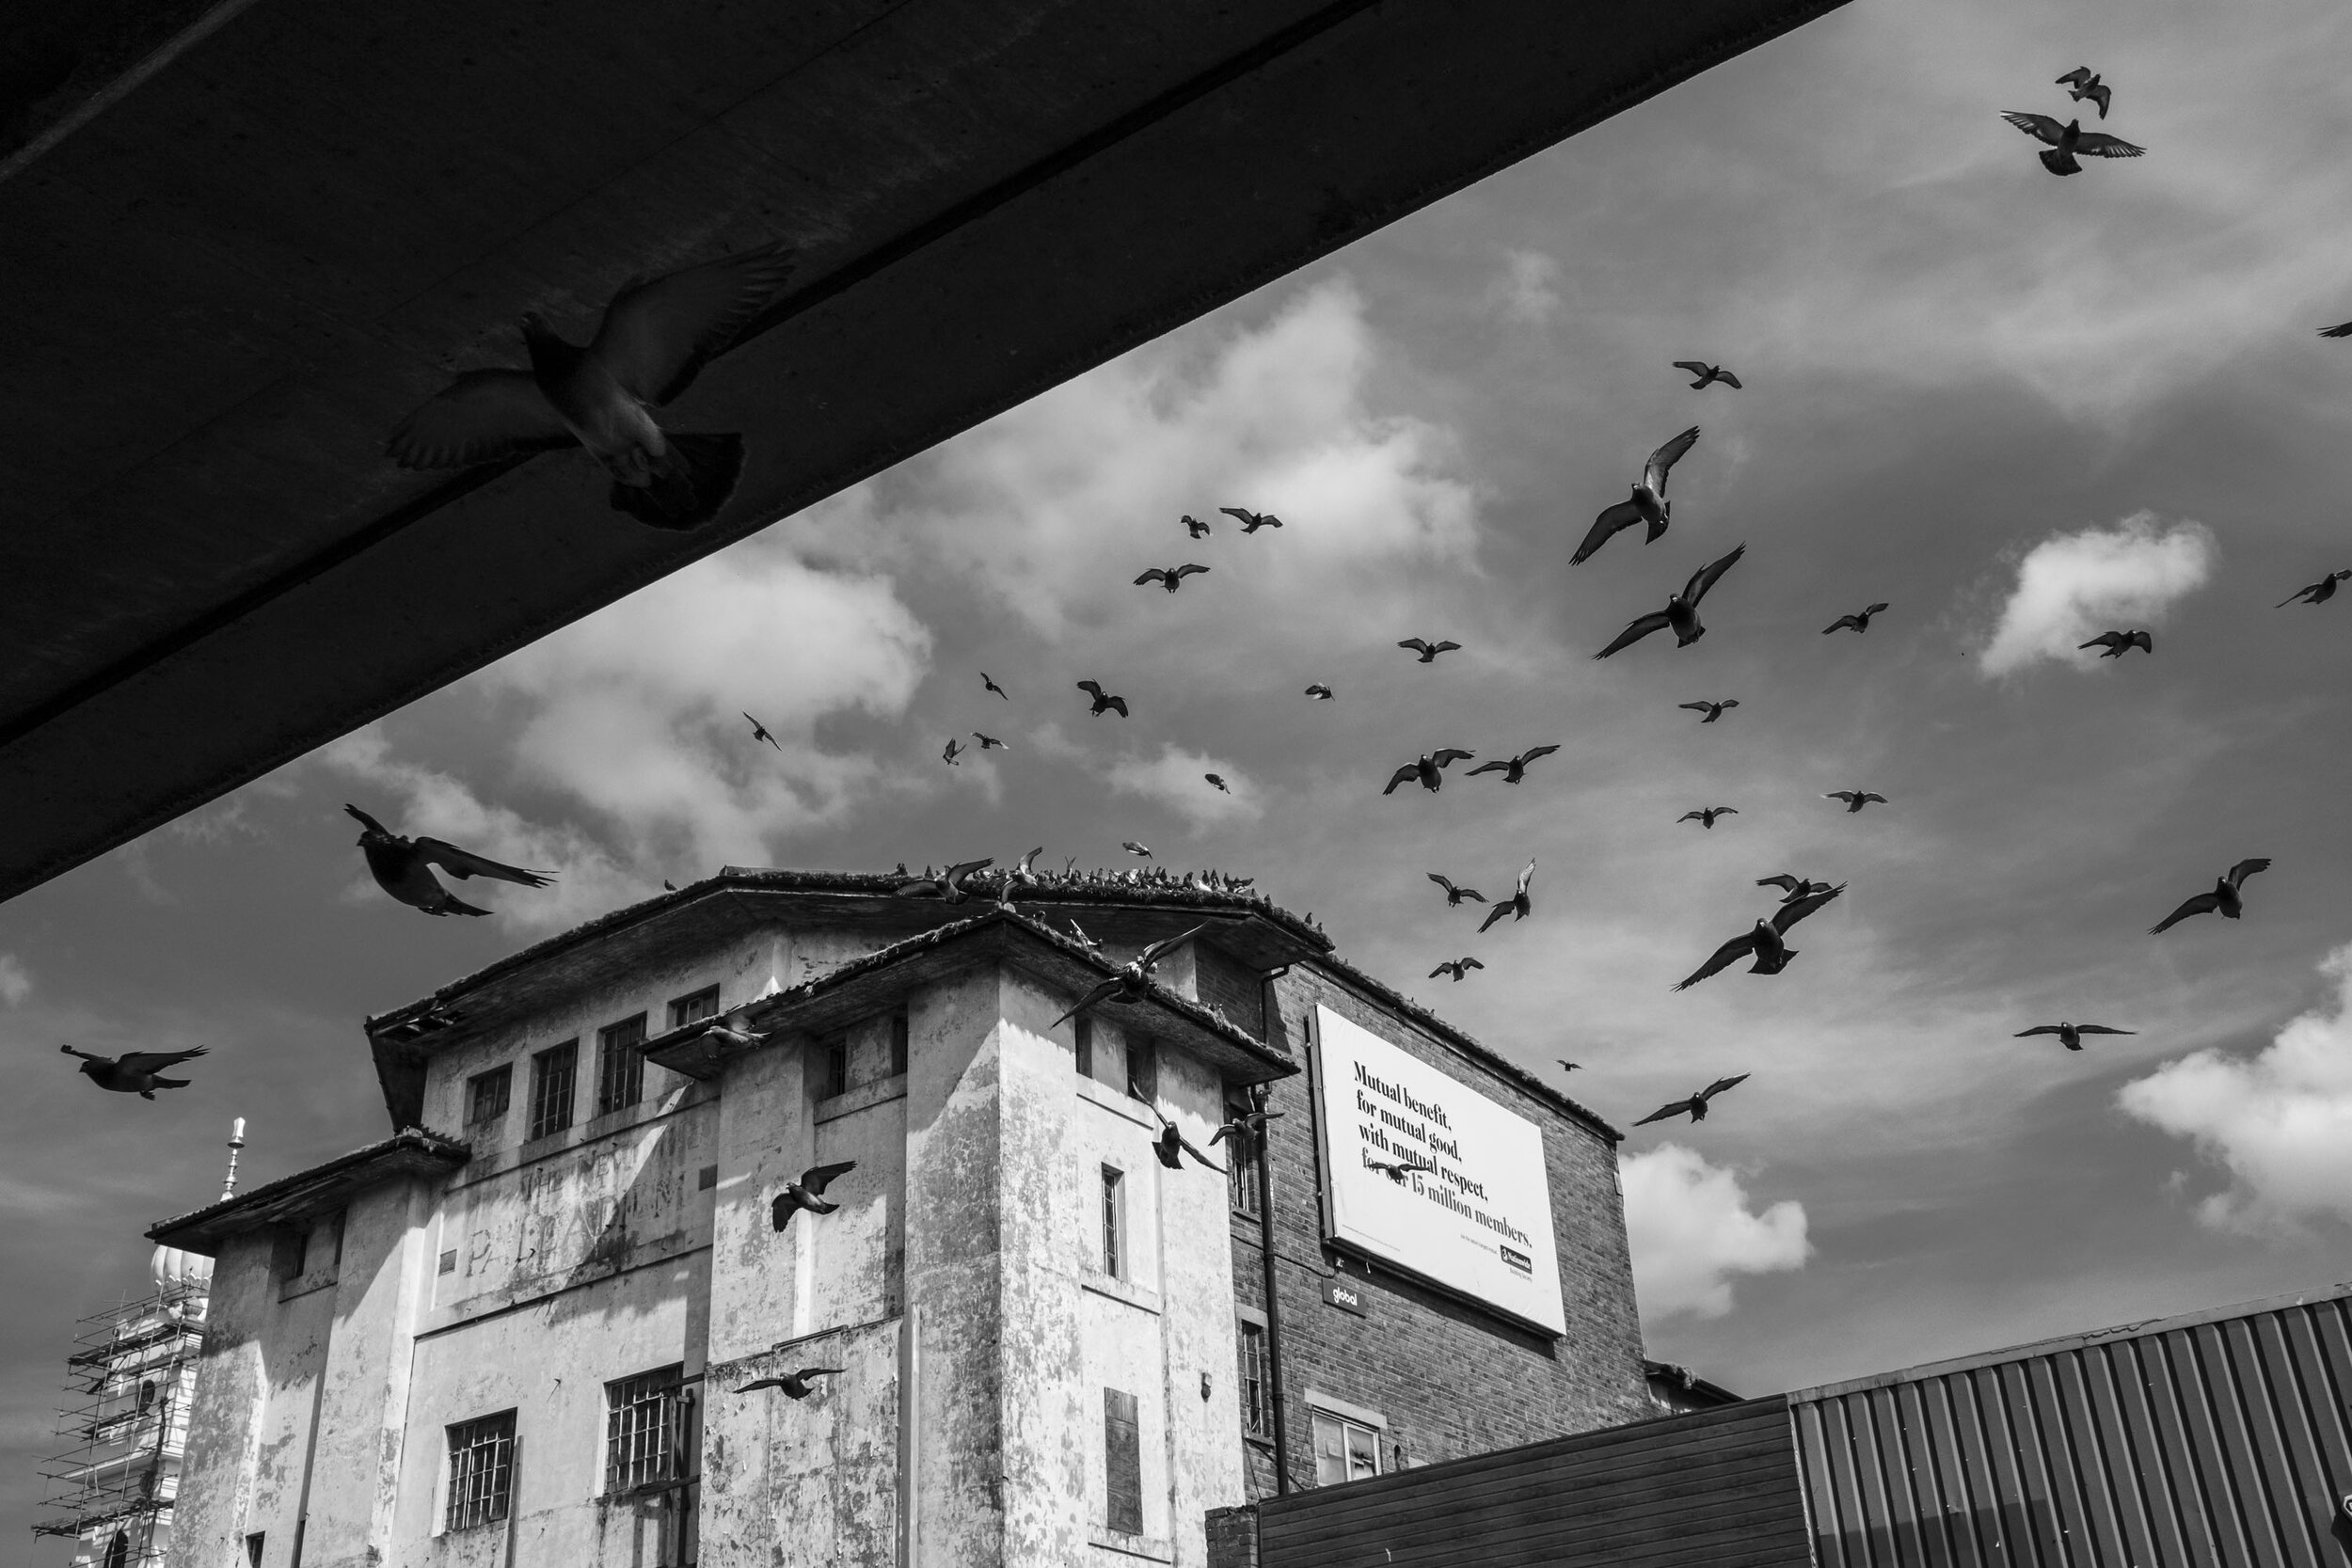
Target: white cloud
2073,586
16,983
2281,1121
1178,779
638,710
1528,292
1690,1230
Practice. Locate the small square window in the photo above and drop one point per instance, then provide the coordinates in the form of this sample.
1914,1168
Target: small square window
620,1066
488,1094
448,1264
553,1075
689,1009
481,1471
898,1041
1345,1449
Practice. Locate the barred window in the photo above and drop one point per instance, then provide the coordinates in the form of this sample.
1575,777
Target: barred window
1241,1159
688,1009
487,1094
620,1066
481,1470
645,1430
1256,1417
553,1072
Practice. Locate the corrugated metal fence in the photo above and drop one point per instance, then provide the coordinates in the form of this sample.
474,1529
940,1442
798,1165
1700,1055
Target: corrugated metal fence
1717,1489
2215,1440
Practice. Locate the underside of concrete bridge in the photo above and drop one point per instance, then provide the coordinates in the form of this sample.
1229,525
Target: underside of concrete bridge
240,240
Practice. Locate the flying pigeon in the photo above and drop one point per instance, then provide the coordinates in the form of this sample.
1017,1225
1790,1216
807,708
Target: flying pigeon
2118,643
1428,651
947,885
2325,588
725,1034
1681,611
1455,894
1705,817
138,1072
2344,330
1169,577
2080,83
656,336
1133,981
759,732
2071,1034
1457,968
1251,521
1765,943
1134,848
1219,782
1395,1169
1429,769
1172,1145
2223,901
1792,888
1320,692
1713,710
1103,704
404,868
794,1384
1566,1066
1515,769
988,685
1243,1126
1707,375
1855,798
988,740
1647,504
1858,623
1195,527
2068,140
807,1193
949,755
1696,1104
1517,905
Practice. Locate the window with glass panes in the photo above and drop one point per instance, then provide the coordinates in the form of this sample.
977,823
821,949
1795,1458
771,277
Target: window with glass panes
620,1066
1114,1222
1241,1158
645,1430
1256,1413
688,1009
481,1471
554,1074
487,1094
1345,1449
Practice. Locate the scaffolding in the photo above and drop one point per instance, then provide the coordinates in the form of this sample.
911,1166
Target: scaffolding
121,1435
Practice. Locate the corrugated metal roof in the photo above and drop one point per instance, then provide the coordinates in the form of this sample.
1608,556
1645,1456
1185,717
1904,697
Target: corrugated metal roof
2221,1437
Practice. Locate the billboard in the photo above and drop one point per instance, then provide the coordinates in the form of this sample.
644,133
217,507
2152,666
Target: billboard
1479,1222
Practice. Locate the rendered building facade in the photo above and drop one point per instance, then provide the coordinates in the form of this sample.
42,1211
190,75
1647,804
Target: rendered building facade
513,1331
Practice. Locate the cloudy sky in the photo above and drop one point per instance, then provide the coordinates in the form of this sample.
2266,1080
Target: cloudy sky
2020,410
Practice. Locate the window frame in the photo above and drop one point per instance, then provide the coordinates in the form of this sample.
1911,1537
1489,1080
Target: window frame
664,1391
620,1066
1122,1461
1114,1257
832,1065
1251,1378
1318,1415
543,1104
680,1017
1241,1159
477,1090
901,1029
487,1505
1082,1048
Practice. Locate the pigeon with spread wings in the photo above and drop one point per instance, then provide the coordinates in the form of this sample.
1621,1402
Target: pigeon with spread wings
794,1384
1134,981
2224,900
949,884
1767,943
759,732
1455,895
2118,643
1429,769
1249,1122
1853,623
1518,905
1713,710
1428,650
1696,1104
656,337
2325,588
1855,798
1514,768
2071,1034
2068,140
1455,967
1647,504
404,867
2081,83
989,684
1707,374
1195,527
807,1193
1104,702
1251,521
1172,1145
138,1072
1170,576
1320,692
1705,817
1681,611
1792,888
1395,1170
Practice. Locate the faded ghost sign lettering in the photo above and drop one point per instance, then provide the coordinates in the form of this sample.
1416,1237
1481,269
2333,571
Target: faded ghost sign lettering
1478,1220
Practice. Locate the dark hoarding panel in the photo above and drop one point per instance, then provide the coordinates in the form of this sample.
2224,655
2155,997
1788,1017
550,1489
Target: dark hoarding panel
1717,1488
2221,1437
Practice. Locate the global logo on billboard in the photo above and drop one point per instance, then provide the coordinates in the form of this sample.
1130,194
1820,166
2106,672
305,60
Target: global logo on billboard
1519,1260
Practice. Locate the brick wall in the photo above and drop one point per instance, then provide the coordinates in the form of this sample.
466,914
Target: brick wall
1449,1378
1233,1537
1231,987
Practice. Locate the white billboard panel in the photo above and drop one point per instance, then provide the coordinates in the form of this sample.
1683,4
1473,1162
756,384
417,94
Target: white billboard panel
1479,1223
